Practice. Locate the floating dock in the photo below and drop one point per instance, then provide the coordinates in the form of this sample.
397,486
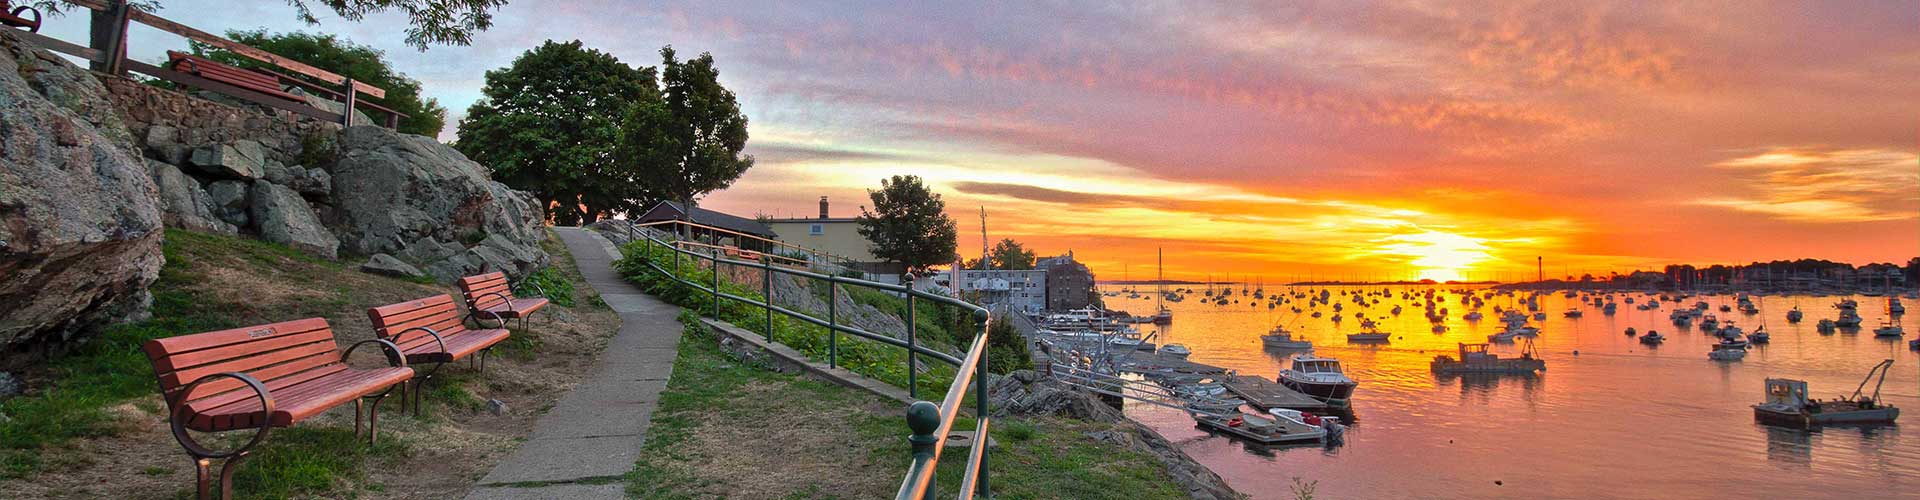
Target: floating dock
1266,395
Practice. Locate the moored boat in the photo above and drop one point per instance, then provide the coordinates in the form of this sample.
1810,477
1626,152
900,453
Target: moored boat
1474,358
1280,338
1319,378
1787,404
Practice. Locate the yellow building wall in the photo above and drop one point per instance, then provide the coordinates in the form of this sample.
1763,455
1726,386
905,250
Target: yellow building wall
841,239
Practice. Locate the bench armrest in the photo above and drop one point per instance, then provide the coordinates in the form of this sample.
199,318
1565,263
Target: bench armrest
474,312
394,357
430,332
177,418
536,288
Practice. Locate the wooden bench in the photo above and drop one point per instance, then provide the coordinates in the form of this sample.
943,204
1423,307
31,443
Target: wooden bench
11,16
430,330
489,295
230,75
261,377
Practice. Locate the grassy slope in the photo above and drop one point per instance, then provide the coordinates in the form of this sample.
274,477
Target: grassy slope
97,407
728,429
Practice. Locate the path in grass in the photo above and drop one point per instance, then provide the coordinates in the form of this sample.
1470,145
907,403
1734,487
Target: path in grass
582,447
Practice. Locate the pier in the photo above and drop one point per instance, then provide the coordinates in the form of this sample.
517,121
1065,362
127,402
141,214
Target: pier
1266,394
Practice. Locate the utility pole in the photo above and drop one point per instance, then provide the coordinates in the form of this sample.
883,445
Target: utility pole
1539,269
984,257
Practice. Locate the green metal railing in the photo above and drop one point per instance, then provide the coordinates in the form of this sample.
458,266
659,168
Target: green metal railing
930,424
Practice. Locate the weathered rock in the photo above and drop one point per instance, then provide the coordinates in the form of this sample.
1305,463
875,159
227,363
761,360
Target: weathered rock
10,386
359,117
277,173
284,217
496,407
312,182
386,265
392,189
242,159
80,221
231,202
188,206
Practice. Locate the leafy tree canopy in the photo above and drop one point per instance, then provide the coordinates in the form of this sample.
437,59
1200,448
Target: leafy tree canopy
549,124
343,57
1010,255
689,142
432,22
909,224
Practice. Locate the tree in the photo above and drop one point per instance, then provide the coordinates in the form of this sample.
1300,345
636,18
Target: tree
549,124
688,142
1010,255
909,225
359,62
433,22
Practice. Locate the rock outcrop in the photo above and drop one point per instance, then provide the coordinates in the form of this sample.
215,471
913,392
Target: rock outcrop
187,204
243,159
1027,392
285,218
393,192
386,265
80,216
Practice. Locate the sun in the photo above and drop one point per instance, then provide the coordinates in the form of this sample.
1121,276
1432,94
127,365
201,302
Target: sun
1439,256
1440,274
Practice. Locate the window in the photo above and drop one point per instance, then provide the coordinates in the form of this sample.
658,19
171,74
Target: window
816,229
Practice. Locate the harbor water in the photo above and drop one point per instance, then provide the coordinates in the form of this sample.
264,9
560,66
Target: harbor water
1617,420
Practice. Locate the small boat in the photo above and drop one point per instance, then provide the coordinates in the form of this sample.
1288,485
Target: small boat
1176,350
1787,404
1439,328
1280,338
1794,315
1320,378
1472,316
1573,313
1759,335
1826,326
1474,358
1632,332
1848,319
1610,308
1371,335
1889,329
1728,350
1652,338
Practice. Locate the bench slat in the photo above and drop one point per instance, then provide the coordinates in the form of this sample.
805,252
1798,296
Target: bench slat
223,353
299,357
160,348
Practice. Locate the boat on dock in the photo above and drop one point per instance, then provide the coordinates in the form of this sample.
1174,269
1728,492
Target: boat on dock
1175,350
1268,429
1787,404
1319,378
1474,358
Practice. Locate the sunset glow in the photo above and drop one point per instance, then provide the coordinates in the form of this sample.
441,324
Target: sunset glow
1326,139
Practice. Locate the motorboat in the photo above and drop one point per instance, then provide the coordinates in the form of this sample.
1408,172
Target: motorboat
1794,315
1609,308
1848,319
1827,326
1177,350
1787,404
1652,338
1889,329
1728,350
1573,313
1320,378
1474,358
1370,335
1280,338
1759,335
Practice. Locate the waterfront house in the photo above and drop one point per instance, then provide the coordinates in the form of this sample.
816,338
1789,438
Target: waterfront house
1069,283
836,236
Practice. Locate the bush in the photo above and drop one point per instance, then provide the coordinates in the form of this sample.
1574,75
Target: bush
559,289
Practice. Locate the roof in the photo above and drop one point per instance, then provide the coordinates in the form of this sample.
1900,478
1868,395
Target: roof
815,220
668,210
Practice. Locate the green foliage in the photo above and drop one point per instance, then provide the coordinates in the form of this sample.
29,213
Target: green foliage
433,22
909,225
343,57
688,142
1010,255
1006,348
549,124
305,461
558,288
319,148
883,362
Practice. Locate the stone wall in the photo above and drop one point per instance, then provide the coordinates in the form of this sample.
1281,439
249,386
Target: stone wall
169,124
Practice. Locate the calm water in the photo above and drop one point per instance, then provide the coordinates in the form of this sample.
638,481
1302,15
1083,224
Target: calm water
1619,420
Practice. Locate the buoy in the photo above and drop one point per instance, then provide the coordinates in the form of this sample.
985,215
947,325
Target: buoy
1576,352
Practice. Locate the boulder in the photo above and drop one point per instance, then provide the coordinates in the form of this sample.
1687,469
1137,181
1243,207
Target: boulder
80,217
187,205
391,190
277,173
10,386
312,182
242,159
386,265
284,217
230,202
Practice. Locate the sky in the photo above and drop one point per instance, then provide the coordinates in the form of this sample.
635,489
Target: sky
1279,141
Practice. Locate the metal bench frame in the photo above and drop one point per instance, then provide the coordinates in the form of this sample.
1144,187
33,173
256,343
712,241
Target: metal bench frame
410,397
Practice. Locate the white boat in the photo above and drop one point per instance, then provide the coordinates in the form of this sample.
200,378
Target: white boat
1787,404
1178,350
1321,378
1720,353
1889,329
1280,338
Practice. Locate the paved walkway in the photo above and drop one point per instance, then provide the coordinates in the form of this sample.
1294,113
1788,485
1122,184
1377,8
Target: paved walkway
581,447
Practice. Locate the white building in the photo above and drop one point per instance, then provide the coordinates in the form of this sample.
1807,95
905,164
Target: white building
1024,291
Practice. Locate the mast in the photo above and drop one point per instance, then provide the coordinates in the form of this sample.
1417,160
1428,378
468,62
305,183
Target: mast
1160,279
984,256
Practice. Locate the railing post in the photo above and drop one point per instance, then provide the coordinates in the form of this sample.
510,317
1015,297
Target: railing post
766,290
913,359
109,35
716,286
923,418
980,403
833,324
346,114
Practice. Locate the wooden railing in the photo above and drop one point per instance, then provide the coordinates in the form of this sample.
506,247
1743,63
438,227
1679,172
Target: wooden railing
107,53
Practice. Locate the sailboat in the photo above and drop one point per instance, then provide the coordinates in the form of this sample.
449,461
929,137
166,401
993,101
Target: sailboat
1163,316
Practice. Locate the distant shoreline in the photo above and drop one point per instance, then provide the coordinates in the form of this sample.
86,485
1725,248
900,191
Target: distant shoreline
1299,283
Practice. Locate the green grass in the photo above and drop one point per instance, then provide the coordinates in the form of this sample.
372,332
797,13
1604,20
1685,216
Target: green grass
882,362
1036,458
306,461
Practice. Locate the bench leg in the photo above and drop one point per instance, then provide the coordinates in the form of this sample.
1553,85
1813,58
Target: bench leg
419,387
226,475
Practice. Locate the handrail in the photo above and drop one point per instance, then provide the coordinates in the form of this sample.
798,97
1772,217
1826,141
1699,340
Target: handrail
773,242
930,424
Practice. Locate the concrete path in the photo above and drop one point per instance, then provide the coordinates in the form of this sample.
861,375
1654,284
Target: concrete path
581,447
